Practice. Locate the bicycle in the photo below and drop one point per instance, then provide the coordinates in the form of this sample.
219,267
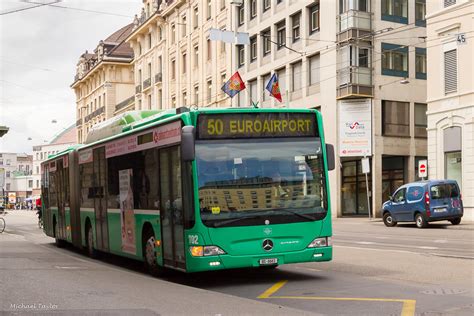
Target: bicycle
2,221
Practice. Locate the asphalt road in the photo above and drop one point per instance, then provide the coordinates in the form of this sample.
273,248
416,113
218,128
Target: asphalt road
376,271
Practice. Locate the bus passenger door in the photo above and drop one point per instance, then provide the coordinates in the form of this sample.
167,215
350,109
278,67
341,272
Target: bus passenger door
61,203
100,205
172,208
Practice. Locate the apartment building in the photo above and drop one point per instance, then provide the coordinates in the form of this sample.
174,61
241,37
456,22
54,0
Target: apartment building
451,95
104,82
60,142
16,171
362,63
176,64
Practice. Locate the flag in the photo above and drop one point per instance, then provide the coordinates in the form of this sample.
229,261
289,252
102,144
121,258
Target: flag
234,85
273,87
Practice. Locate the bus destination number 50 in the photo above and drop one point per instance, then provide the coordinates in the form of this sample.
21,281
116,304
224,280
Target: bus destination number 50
215,127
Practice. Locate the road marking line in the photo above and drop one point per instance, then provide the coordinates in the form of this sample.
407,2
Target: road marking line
427,247
408,308
272,289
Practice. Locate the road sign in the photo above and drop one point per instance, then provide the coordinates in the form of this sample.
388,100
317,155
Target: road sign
422,168
365,165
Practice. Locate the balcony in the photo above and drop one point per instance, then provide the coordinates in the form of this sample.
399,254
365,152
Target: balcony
125,103
354,24
354,81
138,88
158,77
79,122
146,83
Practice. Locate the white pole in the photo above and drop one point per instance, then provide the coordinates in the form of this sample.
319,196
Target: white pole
368,199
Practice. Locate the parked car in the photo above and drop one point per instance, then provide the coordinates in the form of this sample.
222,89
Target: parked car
423,202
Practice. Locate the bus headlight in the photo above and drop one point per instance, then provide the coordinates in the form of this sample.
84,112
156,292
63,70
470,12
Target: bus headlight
320,242
199,251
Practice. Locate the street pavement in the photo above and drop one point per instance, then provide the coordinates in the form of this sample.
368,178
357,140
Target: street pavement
376,271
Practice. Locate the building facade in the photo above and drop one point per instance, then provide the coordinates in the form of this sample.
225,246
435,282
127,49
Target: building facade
175,63
17,172
104,82
62,141
451,95
363,65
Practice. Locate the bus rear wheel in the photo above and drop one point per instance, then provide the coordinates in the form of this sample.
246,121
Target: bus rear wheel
149,255
91,251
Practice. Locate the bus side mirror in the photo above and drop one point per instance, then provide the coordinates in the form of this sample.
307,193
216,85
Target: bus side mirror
187,143
330,157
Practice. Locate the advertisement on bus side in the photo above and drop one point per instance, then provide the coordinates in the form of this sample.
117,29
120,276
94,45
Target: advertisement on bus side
127,218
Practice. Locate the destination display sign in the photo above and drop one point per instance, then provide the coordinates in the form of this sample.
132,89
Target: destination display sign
253,125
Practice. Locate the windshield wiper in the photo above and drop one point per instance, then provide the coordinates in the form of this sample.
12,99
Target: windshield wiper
310,218
233,220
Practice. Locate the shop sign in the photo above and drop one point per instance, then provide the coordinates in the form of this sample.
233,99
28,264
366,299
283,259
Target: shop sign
355,127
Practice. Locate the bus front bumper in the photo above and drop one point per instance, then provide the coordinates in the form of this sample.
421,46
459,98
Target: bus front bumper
227,261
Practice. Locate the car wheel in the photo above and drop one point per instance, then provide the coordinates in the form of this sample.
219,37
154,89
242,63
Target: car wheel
420,221
456,221
149,255
388,220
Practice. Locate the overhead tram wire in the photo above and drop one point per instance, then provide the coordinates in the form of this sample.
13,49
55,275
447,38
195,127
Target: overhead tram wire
82,10
37,5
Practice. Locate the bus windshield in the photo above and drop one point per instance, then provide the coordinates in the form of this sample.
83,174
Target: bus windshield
242,182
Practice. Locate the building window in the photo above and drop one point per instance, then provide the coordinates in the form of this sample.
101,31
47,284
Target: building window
149,41
209,49
173,101
267,47
296,75
183,25
450,71
184,63
395,118
266,5
253,91
195,17
149,75
363,59
241,15
7,174
139,49
209,91
420,12
196,56
240,55
253,49
37,184
196,95
173,69
149,102
173,33
421,121
296,22
359,5
420,63
281,34
394,60
281,73
265,80
313,18
253,9
314,70
395,11
185,98
209,9
452,137
448,3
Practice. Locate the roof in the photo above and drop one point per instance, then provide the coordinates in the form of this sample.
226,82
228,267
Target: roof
66,136
123,49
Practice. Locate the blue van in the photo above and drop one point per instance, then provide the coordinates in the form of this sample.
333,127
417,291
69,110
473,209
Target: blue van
423,202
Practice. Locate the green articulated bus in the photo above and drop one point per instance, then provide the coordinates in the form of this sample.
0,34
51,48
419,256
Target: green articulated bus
196,190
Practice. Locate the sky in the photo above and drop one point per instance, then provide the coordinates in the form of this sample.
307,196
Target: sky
39,50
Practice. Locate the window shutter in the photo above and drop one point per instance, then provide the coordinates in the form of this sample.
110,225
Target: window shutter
450,71
448,3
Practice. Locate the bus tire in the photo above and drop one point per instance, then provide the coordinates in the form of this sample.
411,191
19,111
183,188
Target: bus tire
58,242
91,251
149,254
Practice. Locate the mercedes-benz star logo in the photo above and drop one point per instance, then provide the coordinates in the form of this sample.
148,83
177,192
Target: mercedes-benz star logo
267,245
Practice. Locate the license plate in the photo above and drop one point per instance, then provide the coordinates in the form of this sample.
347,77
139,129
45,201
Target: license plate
440,210
268,261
